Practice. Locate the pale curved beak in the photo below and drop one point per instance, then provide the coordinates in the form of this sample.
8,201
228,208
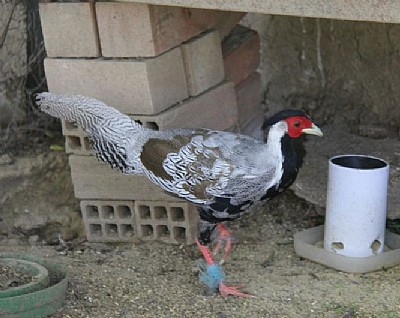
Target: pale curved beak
314,130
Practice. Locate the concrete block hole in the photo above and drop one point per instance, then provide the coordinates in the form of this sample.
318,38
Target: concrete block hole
124,212
74,143
95,230
144,212
163,231
147,230
177,214
92,212
86,143
71,125
179,234
151,125
148,124
107,212
111,230
160,212
127,231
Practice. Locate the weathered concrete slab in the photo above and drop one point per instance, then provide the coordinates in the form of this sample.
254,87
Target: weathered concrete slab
361,10
311,183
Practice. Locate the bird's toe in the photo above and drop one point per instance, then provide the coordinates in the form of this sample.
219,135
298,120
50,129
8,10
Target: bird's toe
225,291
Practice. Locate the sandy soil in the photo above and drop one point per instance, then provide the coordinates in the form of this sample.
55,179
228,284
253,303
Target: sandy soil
150,279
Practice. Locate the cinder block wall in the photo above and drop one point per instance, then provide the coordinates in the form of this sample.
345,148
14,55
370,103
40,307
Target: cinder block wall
166,67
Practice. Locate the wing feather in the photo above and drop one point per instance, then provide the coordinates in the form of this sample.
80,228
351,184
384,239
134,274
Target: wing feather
203,165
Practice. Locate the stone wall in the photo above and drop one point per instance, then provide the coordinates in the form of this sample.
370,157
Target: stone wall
337,70
13,62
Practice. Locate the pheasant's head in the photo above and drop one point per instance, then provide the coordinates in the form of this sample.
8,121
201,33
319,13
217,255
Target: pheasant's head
297,122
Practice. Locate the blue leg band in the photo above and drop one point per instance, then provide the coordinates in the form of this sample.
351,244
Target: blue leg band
211,275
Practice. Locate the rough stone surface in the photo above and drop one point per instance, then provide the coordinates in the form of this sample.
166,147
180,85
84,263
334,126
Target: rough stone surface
69,29
342,74
331,68
253,127
14,45
134,86
36,199
13,62
13,173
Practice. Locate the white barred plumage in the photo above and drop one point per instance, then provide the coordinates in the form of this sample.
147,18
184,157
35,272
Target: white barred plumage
195,164
222,173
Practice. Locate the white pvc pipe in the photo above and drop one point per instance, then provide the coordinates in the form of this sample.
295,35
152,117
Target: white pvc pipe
356,205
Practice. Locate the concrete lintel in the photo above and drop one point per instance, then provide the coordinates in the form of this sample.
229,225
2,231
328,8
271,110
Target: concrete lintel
361,10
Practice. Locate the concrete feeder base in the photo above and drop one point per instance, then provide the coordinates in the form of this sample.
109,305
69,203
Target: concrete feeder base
309,244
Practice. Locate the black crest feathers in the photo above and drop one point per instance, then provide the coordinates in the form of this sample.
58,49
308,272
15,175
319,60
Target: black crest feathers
282,115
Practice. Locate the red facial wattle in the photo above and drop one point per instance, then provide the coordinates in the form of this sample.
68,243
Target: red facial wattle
296,124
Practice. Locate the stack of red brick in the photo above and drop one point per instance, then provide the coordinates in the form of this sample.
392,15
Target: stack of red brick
163,66
241,55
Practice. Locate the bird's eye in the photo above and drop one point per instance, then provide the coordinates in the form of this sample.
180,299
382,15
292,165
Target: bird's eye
296,124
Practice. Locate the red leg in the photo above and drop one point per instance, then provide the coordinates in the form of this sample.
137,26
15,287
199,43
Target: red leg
224,236
206,253
223,289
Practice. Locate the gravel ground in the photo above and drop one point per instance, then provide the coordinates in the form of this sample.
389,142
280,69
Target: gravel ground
12,277
151,279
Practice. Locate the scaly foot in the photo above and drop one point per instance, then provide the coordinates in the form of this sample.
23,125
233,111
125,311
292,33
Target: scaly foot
225,291
224,237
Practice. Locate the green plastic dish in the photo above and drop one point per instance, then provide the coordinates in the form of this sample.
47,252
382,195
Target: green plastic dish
40,303
40,277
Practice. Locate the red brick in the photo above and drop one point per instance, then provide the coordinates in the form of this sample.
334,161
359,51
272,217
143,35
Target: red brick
134,86
69,29
241,54
204,67
227,21
248,98
132,29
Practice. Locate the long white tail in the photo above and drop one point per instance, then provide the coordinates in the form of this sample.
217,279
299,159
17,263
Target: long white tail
89,113
109,131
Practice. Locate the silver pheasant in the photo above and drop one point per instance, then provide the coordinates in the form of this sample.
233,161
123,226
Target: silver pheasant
222,173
